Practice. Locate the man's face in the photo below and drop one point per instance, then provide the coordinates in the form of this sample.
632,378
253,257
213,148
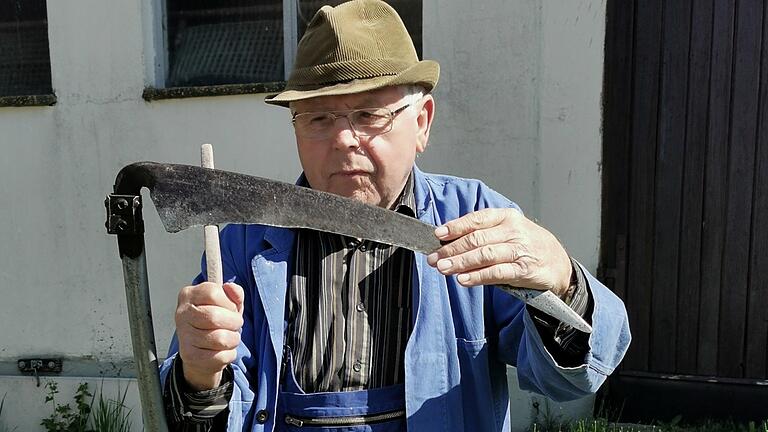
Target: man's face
371,169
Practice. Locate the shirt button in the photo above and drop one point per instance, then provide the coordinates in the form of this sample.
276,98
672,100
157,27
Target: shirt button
356,367
363,247
262,416
360,307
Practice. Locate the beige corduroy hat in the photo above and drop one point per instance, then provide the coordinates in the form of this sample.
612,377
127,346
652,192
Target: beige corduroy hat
358,46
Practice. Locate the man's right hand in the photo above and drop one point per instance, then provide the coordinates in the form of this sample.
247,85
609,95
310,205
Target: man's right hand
208,321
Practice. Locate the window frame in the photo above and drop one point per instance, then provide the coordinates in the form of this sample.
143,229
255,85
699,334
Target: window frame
37,99
159,70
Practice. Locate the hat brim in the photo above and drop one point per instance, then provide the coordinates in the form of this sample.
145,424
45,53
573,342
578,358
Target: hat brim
424,73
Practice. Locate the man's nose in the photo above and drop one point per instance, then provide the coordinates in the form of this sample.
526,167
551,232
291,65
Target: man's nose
344,135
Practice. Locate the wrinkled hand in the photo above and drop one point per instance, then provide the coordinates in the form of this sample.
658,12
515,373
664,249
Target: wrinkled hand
501,246
208,321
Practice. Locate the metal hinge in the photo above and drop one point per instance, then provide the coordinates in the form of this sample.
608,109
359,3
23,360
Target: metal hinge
37,366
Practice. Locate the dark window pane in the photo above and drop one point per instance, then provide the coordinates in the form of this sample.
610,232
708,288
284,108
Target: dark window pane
213,42
409,11
25,65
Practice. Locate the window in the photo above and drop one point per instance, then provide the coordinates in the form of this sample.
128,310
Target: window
214,42
25,65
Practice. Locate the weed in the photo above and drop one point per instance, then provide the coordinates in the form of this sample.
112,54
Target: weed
64,418
89,414
110,415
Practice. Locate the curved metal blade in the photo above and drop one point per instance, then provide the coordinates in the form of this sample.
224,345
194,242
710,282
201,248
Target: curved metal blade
187,196
549,303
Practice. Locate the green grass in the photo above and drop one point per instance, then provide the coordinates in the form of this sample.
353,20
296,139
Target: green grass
605,421
603,425
110,415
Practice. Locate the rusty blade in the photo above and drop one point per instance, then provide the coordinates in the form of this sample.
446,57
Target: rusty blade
187,196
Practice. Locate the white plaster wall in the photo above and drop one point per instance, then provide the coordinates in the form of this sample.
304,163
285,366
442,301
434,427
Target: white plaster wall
518,106
487,119
570,89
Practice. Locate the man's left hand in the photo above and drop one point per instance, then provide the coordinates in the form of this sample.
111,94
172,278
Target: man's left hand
501,246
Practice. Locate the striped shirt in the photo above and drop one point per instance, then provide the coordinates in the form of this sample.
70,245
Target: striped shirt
349,309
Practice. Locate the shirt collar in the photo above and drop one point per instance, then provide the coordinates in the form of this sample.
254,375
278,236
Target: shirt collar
406,203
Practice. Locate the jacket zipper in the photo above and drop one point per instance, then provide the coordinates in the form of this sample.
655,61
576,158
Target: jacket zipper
344,421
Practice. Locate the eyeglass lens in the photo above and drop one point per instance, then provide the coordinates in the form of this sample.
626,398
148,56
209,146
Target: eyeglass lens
366,122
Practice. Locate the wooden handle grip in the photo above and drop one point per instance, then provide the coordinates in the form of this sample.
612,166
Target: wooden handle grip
211,232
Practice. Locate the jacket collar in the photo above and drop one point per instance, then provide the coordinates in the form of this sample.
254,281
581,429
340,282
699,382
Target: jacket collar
422,195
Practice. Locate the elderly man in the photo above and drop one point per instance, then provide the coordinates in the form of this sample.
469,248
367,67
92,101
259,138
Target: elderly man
319,330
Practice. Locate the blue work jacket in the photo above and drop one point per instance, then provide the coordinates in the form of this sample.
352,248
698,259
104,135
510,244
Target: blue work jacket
462,338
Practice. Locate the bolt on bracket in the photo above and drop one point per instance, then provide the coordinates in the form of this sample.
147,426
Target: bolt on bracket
124,214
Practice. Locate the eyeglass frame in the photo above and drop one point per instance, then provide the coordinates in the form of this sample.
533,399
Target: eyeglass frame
337,114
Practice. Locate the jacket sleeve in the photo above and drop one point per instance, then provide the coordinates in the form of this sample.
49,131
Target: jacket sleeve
519,343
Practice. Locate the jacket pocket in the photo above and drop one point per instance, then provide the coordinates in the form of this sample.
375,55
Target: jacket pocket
472,348
483,409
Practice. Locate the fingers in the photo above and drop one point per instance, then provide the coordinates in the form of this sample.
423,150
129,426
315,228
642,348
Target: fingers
496,274
480,219
207,317
475,232
499,246
208,306
235,294
477,240
483,256
209,293
208,322
212,340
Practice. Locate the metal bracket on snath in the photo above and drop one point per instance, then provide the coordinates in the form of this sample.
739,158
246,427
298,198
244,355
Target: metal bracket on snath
124,214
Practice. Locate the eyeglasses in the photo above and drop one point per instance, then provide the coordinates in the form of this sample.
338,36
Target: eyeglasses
364,121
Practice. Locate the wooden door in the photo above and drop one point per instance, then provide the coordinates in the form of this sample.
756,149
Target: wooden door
685,190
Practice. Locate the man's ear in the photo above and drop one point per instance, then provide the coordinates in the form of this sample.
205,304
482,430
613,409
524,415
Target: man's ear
424,122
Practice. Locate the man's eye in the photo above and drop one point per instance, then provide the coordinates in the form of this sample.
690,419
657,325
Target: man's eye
317,119
366,115
369,117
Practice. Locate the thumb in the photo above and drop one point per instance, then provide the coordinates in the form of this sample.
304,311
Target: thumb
236,294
